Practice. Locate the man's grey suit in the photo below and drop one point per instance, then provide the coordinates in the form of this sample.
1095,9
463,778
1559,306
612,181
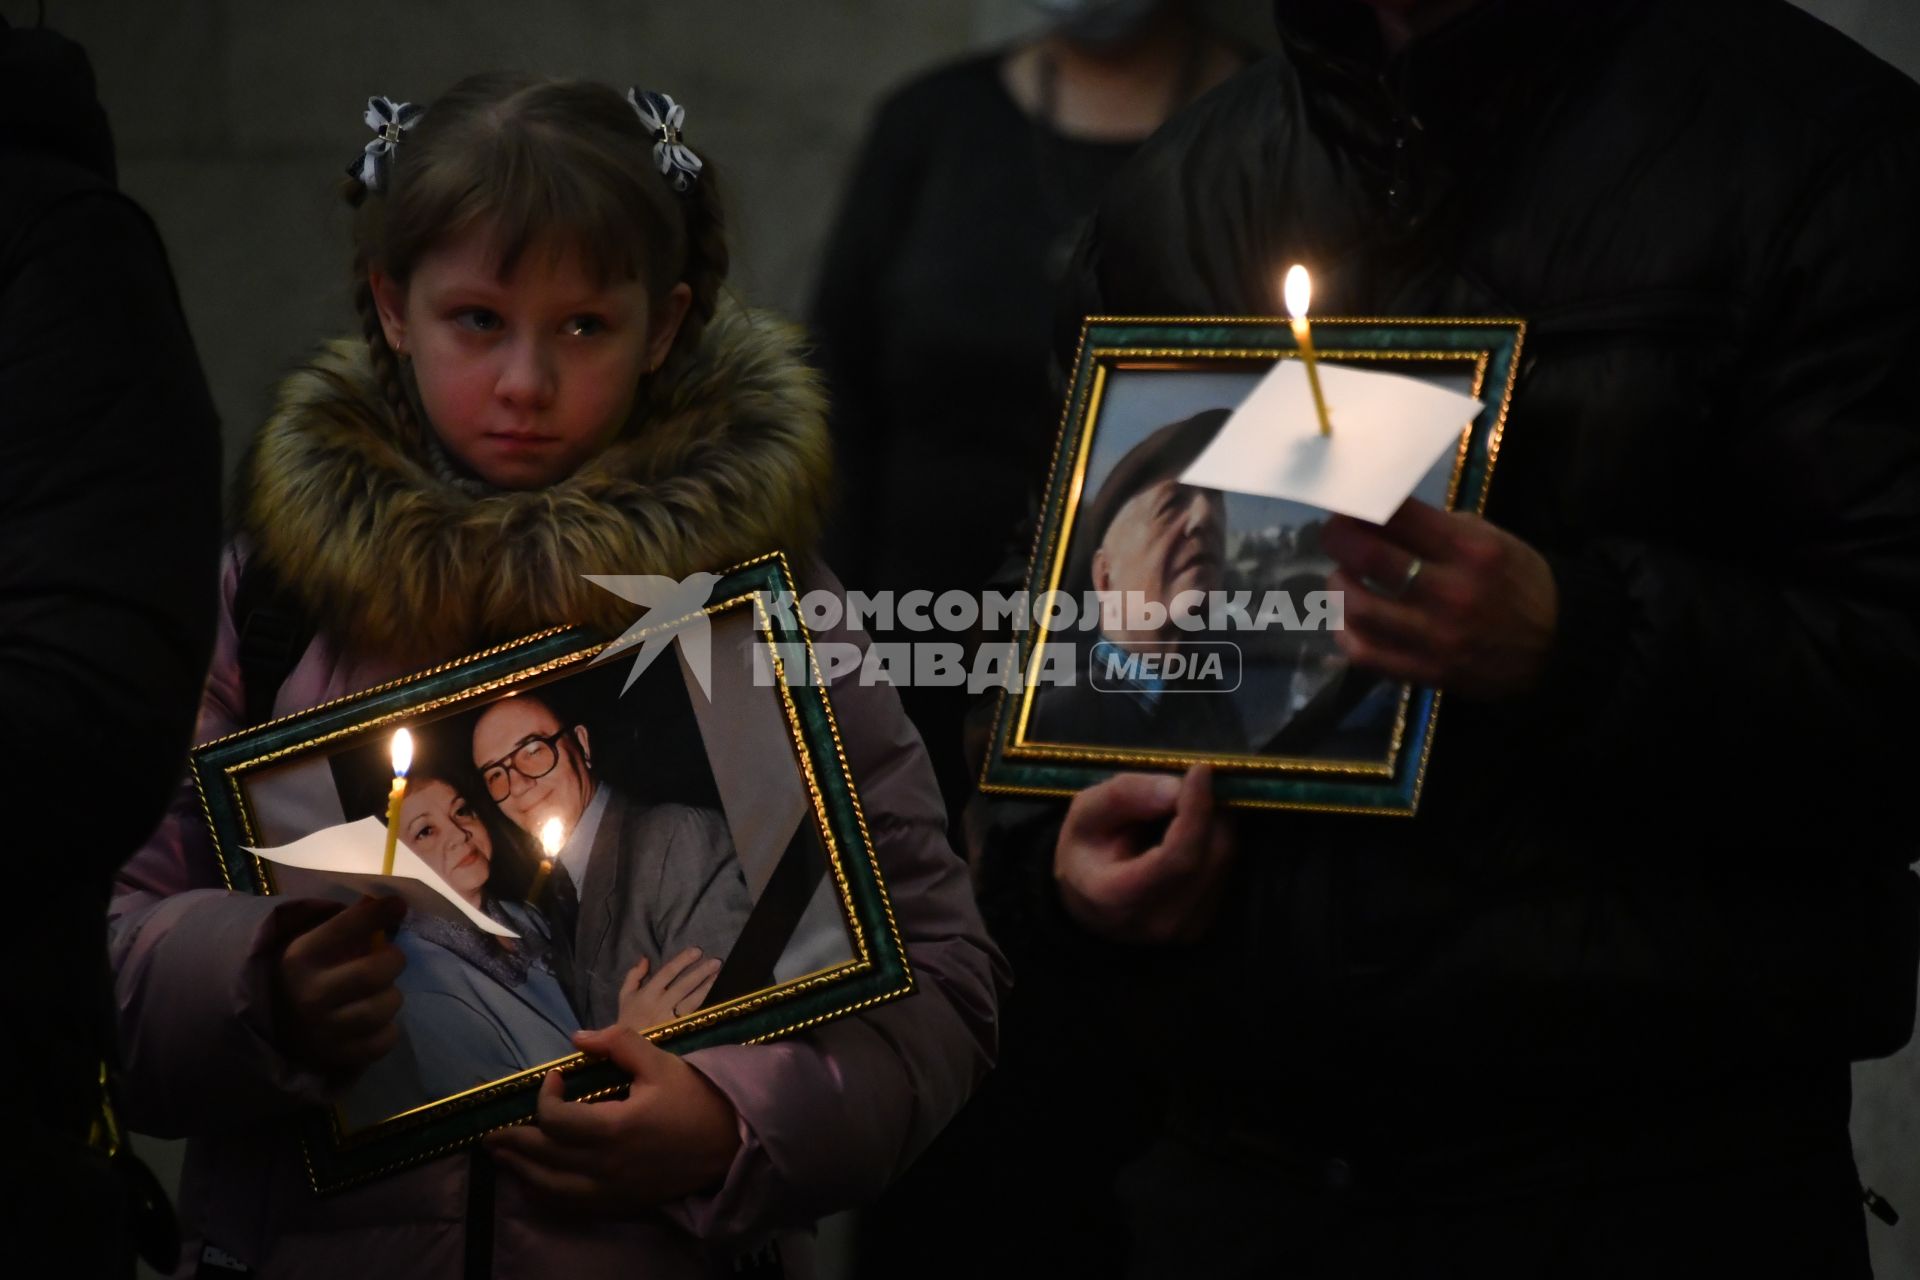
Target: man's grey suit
660,878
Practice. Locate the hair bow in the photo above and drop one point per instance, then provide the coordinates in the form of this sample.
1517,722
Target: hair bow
664,118
388,120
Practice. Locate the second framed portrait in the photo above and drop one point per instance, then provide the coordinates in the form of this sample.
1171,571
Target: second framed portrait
1253,681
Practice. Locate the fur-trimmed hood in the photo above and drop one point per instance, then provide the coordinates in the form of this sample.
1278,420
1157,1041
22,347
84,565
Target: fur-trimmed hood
729,459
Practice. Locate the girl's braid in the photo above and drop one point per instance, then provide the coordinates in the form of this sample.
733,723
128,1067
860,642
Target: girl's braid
386,364
708,258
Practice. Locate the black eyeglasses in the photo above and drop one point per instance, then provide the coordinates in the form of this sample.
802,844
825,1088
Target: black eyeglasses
532,759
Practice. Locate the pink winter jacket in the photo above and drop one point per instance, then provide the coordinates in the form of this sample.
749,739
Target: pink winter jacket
827,1118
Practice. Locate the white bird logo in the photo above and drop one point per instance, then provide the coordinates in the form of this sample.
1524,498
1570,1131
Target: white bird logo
674,610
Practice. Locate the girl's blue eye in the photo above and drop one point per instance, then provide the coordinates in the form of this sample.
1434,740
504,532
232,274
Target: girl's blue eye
586,326
478,319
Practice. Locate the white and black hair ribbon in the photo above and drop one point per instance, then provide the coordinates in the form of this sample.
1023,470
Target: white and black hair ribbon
388,120
664,118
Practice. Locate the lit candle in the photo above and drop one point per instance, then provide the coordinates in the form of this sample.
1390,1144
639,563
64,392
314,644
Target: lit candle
552,836
402,759
1299,292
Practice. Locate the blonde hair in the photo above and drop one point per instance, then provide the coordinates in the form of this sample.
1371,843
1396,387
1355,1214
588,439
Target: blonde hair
563,164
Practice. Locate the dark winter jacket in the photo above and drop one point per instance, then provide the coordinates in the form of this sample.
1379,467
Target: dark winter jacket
1646,914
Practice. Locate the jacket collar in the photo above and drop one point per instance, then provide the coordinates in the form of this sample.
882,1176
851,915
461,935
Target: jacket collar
728,459
1488,42
1430,119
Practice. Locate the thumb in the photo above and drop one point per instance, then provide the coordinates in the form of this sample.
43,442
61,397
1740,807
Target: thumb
636,975
631,1052
1186,843
1124,800
351,932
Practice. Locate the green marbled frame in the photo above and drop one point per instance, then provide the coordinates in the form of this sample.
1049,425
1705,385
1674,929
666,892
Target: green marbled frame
1015,765
878,971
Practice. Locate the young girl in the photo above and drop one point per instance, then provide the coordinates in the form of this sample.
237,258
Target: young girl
548,384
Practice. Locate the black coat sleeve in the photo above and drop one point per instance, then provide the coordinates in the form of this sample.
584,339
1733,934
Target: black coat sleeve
109,516
1792,643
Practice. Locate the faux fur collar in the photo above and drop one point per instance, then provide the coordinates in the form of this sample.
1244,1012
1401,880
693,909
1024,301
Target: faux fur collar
729,460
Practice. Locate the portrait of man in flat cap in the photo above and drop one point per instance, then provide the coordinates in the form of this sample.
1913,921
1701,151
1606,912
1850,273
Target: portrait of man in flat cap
1148,563
1145,540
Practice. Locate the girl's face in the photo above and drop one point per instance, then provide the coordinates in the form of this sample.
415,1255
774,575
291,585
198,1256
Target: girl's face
526,378
437,823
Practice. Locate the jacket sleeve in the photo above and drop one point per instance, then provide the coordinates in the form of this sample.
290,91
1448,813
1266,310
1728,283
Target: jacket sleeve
192,959
110,509
831,1116
1789,633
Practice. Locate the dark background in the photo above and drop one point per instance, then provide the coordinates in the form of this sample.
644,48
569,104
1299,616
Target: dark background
236,118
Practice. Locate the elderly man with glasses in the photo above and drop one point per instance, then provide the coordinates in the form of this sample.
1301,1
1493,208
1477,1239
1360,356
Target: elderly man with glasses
633,880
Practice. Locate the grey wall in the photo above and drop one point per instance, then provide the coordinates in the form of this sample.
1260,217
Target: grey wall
235,119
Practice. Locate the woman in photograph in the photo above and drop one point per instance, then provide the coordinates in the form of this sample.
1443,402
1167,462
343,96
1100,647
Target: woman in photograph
476,1007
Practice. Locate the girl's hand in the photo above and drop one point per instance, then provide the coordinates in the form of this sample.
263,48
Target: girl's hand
334,998
1442,598
679,988
672,1136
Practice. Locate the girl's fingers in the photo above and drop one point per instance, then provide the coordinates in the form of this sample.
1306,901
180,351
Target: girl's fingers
337,985
363,1017
351,932
363,1051
538,1147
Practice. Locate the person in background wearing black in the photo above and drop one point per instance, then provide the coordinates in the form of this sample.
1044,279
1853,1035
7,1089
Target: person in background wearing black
932,315
109,520
1590,1012
935,300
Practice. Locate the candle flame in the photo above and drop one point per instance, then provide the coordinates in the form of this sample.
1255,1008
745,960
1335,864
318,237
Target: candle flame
402,753
1299,291
552,836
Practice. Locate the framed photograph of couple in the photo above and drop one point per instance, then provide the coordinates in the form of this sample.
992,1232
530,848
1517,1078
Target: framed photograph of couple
657,831
1173,623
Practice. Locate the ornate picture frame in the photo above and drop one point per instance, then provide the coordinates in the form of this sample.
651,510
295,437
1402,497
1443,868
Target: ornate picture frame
741,799
1283,722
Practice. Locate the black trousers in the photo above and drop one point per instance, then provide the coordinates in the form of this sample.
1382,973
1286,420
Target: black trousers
1793,1215
1750,1178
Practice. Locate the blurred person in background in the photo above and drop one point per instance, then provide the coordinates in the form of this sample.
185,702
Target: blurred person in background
109,520
933,317
934,305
